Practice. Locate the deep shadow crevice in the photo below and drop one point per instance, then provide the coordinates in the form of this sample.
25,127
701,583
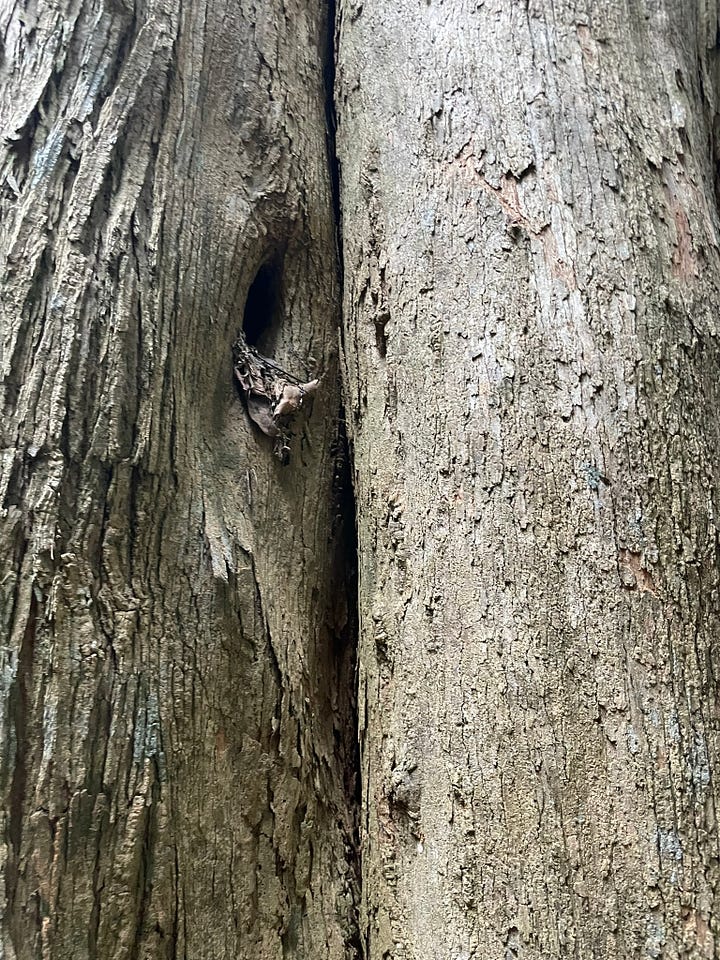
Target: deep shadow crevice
344,530
331,128
263,306
345,657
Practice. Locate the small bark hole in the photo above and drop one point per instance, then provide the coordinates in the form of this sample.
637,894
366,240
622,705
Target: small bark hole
263,306
381,337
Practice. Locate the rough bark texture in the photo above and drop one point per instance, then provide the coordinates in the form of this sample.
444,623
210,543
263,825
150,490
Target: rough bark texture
175,717
530,313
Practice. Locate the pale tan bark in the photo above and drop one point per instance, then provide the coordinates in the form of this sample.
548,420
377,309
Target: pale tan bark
176,672
530,239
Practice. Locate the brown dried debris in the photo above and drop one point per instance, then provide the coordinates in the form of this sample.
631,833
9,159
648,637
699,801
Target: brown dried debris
273,396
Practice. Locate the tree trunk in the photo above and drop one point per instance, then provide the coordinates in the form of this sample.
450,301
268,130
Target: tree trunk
177,718
532,275
530,240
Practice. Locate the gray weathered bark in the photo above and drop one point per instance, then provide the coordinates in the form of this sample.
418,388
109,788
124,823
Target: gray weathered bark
175,719
530,236
532,279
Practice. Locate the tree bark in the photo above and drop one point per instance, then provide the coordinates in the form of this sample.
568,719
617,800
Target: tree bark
176,717
532,374
530,241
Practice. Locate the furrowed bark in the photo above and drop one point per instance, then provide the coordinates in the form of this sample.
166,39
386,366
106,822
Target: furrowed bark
532,367
177,669
530,223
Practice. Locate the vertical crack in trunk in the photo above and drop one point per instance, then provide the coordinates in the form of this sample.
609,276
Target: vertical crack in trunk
346,654
19,710
330,130
345,519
